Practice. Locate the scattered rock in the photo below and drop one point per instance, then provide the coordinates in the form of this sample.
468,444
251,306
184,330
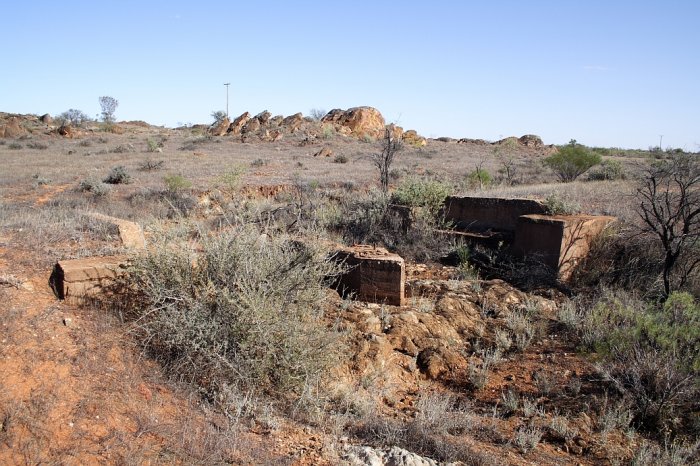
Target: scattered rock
387,456
324,152
66,131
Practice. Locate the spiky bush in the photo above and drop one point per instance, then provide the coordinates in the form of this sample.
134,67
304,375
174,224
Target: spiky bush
244,314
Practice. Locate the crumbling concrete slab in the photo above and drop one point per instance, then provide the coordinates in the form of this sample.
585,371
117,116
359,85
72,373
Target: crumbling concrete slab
78,279
130,233
486,213
559,241
375,275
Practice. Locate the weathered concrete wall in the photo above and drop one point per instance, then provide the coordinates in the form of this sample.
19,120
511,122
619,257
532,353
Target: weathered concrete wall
484,213
77,279
375,275
559,241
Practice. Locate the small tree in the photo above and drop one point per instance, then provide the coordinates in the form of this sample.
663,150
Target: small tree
572,161
218,116
670,209
109,106
390,147
317,113
73,117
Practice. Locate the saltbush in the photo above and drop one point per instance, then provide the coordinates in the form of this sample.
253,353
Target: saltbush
118,175
244,314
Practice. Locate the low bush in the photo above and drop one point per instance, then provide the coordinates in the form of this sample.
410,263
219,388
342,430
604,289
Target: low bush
372,219
174,182
651,353
340,158
608,170
244,315
95,187
152,165
118,175
558,205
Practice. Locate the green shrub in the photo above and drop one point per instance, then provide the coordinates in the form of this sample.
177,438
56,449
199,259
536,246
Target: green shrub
14,146
118,175
245,314
571,161
651,353
608,170
340,158
414,192
480,178
174,182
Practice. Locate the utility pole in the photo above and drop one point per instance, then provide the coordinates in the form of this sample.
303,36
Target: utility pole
661,138
227,85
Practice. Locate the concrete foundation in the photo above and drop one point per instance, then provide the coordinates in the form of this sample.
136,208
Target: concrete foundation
375,275
480,214
559,241
78,279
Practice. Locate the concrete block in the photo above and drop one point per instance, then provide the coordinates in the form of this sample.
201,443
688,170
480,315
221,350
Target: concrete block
375,275
559,241
484,213
77,279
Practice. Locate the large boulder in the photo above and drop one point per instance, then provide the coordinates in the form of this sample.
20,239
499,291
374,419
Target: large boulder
362,121
46,119
263,117
252,126
293,122
413,138
239,123
220,128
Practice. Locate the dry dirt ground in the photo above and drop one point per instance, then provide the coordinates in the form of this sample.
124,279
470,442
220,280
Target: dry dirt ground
76,389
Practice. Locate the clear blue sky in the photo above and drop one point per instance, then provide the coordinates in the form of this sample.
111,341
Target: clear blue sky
610,73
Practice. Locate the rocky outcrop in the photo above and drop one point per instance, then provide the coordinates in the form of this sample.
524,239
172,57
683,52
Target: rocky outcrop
530,140
11,128
362,121
46,119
